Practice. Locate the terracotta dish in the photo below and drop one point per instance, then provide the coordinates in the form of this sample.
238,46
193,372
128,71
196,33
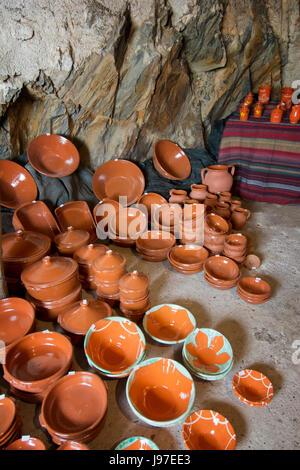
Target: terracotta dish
17,318
171,161
7,414
71,240
221,268
252,388
151,201
208,430
137,443
254,290
26,443
36,217
155,245
76,214
72,445
17,186
188,256
53,155
118,178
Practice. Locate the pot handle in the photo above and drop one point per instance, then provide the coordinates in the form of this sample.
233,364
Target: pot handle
232,169
248,213
203,174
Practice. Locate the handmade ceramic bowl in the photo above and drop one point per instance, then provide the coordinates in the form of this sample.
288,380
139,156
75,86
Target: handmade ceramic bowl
252,388
26,443
160,392
150,201
72,445
167,217
220,285
221,268
128,222
119,178
114,345
17,186
137,443
208,353
216,224
8,413
235,242
35,216
49,355
189,256
171,161
17,317
53,155
208,430
155,243
76,214
255,287
169,323
74,406
225,196
135,305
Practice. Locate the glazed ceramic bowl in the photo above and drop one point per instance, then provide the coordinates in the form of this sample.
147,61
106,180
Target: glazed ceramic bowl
254,288
53,155
188,256
137,443
134,285
216,224
167,217
155,243
171,161
150,202
17,186
208,430
103,212
35,216
17,317
114,346
128,222
71,240
26,443
160,392
169,323
252,388
49,355
221,268
119,178
74,407
76,214
8,413
135,305
208,353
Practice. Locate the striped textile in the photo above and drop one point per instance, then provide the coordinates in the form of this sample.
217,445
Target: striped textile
266,157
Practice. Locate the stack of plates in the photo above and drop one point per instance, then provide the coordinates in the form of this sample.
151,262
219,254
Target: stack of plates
10,421
221,272
254,290
155,245
187,259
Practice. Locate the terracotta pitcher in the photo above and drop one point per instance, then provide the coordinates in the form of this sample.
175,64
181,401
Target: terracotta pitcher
239,217
217,178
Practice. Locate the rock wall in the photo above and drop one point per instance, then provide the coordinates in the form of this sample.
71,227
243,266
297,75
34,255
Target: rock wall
114,76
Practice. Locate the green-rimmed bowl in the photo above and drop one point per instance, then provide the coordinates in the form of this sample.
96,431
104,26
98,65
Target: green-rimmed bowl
160,392
137,443
114,346
169,323
207,376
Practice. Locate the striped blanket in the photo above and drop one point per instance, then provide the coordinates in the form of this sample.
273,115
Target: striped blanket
266,157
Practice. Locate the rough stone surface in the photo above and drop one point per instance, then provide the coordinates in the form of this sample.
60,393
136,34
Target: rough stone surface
116,76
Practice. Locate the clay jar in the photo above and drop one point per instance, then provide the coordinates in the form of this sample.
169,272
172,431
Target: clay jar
225,196
258,109
286,96
198,192
134,285
71,240
210,200
295,114
239,217
264,94
223,209
217,178
276,114
235,203
177,196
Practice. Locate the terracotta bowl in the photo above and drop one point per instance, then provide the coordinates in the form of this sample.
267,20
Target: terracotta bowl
35,216
49,355
169,323
189,256
53,155
171,161
74,406
102,212
72,445
76,214
8,413
167,216
150,201
221,285
155,242
252,388
137,443
254,286
135,305
71,240
216,224
114,345
160,392
119,178
208,430
26,443
128,222
17,317
221,268
17,186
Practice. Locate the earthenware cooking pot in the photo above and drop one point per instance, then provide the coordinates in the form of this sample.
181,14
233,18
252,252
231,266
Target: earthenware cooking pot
134,285
109,267
71,240
217,178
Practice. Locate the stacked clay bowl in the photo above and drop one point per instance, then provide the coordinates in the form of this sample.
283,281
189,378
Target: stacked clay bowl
71,240
207,354
85,256
150,202
168,218
26,443
107,271
114,346
52,283
169,323
35,362
74,408
137,443
221,272
10,421
235,247
77,319
134,295
17,319
215,230
155,245
160,392
254,290
187,259
191,228
127,225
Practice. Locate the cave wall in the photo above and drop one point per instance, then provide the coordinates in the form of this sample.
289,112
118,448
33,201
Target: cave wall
114,76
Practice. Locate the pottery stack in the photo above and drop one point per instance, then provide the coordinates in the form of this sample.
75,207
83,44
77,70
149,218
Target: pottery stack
235,247
221,272
215,230
85,256
198,192
107,270
10,421
134,295
127,225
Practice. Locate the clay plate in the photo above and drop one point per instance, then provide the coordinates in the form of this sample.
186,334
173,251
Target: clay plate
252,388
188,256
26,443
17,186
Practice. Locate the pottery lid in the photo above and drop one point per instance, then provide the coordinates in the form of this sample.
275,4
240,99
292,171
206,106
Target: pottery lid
87,253
49,270
81,315
134,281
71,237
110,261
23,245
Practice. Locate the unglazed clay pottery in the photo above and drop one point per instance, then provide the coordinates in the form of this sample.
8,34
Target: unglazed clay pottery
198,192
102,212
258,109
160,392
211,200
294,115
188,256
217,178
223,209
72,445
215,224
254,288
109,267
137,443
169,323
239,217
74,407
235,243
134,315
276,114
177,196
110,288
71,240
17,318
221,268
26,443
49,355
134,285
128,222
17,186
221,285
85,256
252,388
225,196
114,346
167,216
140,305
252,262
53,155
208,430
119,178
151,201
235,203
264,94
171,161
35,216
76,214
287,96
28,397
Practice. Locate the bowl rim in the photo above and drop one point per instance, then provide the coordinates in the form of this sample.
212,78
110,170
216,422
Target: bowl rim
132,439
164,172
28,177
244,399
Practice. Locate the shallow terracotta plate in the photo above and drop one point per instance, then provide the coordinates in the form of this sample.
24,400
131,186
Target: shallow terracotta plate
17,186
252,387
189,256
37,217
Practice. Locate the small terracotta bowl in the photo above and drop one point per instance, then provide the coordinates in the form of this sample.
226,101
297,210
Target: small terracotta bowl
137,443
26,443
114,346
72,445
169,323
254,286
155,242
128,222
8,413
252,388
171,161
189,255
235,242
17,317
208,430
150,201
221,268
216,224
17,186
160,392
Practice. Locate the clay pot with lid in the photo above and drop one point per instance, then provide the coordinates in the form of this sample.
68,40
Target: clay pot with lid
109,267
71,240
51,278
134,285
239,217
218,178
85,257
